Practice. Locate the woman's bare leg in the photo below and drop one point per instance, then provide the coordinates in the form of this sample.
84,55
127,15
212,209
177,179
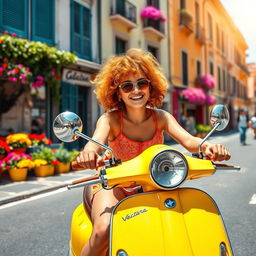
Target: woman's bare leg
102,206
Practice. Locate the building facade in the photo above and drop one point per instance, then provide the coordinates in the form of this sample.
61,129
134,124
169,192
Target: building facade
204,40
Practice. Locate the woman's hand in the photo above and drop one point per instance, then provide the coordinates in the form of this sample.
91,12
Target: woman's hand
89,160
215,152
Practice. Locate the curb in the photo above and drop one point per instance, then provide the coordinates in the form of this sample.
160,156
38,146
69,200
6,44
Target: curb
30,194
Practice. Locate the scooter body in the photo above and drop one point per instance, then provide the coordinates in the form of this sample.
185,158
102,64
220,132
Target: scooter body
185,221
165,219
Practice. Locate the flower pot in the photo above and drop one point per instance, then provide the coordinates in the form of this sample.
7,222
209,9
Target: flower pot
62,167
18,174
20,150
44,171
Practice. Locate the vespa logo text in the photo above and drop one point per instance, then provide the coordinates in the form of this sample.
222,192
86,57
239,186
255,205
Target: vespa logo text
129,216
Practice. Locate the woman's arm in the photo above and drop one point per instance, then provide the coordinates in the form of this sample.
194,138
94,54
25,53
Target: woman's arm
89,157
212,151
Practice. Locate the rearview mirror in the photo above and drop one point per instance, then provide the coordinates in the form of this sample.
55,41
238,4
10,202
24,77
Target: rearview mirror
219,115
65,125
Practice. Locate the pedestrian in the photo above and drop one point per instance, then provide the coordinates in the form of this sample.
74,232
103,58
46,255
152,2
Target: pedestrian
130,87
190,124
253,124
243,123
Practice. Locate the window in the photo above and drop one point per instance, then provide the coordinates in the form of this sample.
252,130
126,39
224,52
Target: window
153,50
81,30
184,62
38,26
211,66
120,46
224,80
198,67
218,36
154,3
219,79
182,4
210,27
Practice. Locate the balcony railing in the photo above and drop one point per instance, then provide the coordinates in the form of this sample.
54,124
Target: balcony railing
156,24
125,9
186,20
200,33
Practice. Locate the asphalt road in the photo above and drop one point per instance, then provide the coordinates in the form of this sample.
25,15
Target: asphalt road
40,226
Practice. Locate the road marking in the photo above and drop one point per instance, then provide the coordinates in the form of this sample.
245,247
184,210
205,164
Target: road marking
253,199
33,198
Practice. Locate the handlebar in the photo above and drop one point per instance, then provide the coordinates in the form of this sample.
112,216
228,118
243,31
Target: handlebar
226,167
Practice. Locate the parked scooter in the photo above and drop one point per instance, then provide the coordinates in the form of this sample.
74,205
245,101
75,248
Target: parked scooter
165,219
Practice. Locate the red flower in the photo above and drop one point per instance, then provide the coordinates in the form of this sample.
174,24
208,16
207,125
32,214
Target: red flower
5,59
55,162
4,147
5,65
16,71
36,136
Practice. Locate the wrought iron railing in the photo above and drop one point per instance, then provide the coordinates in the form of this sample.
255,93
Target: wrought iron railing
124,8
156,24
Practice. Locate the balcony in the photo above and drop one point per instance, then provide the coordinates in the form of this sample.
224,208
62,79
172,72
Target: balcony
200,34
186,21
154,27
123,12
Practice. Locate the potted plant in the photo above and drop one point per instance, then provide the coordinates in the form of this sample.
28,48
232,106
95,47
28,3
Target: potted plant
44,161
4,149
63,156
39,139
18,142
17,164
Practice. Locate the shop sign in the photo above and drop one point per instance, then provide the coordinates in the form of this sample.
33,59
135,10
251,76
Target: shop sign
76,77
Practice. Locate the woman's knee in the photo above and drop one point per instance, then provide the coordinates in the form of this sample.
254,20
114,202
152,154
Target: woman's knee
101,229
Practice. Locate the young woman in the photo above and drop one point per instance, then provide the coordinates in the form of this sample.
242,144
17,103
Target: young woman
130,88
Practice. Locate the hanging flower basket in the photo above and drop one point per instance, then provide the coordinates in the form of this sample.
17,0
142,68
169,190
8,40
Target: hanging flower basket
207,81
151,12
210,99
194,95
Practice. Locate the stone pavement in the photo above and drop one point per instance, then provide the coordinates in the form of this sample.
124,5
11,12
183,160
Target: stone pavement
13,191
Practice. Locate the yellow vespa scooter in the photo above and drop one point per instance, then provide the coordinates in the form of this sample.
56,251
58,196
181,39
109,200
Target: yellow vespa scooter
163,220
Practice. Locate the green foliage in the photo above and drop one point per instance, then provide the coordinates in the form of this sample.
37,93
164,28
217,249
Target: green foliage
200,128
62,154
44,153
74,153
41,60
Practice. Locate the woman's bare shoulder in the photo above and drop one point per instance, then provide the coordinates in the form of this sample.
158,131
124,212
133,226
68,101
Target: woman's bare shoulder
162,117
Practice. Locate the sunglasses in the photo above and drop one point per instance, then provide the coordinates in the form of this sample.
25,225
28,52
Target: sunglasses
141,84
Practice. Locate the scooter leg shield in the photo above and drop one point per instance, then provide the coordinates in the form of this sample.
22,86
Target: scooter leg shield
168,223
80,230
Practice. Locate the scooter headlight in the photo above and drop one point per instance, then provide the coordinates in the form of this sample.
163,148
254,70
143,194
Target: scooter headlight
169,169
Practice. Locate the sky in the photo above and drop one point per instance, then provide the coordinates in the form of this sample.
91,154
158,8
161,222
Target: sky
243,13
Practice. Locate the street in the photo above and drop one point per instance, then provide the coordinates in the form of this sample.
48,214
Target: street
40,226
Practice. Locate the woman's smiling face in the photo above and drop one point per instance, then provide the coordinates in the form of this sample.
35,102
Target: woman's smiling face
137,97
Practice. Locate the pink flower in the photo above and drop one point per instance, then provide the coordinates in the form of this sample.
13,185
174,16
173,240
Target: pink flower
6,32
150,12
207,81
40,78
194,95
13,34
210,99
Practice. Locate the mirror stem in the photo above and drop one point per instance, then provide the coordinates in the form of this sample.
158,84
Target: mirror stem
96,142
207,136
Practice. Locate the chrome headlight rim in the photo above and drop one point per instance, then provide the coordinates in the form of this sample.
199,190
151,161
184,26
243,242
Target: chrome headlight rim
181,181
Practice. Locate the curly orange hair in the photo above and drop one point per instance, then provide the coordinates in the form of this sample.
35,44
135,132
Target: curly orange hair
134,61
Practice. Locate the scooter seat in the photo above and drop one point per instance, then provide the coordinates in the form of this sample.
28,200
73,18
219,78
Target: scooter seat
87,195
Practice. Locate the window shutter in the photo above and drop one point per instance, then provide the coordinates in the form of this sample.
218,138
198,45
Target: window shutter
69,101
81,30
43,21
14,16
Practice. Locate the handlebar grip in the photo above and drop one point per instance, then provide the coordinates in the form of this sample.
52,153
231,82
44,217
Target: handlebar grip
85,179
75,166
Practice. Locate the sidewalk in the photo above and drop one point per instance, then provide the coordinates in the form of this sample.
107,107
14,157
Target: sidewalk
14,191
